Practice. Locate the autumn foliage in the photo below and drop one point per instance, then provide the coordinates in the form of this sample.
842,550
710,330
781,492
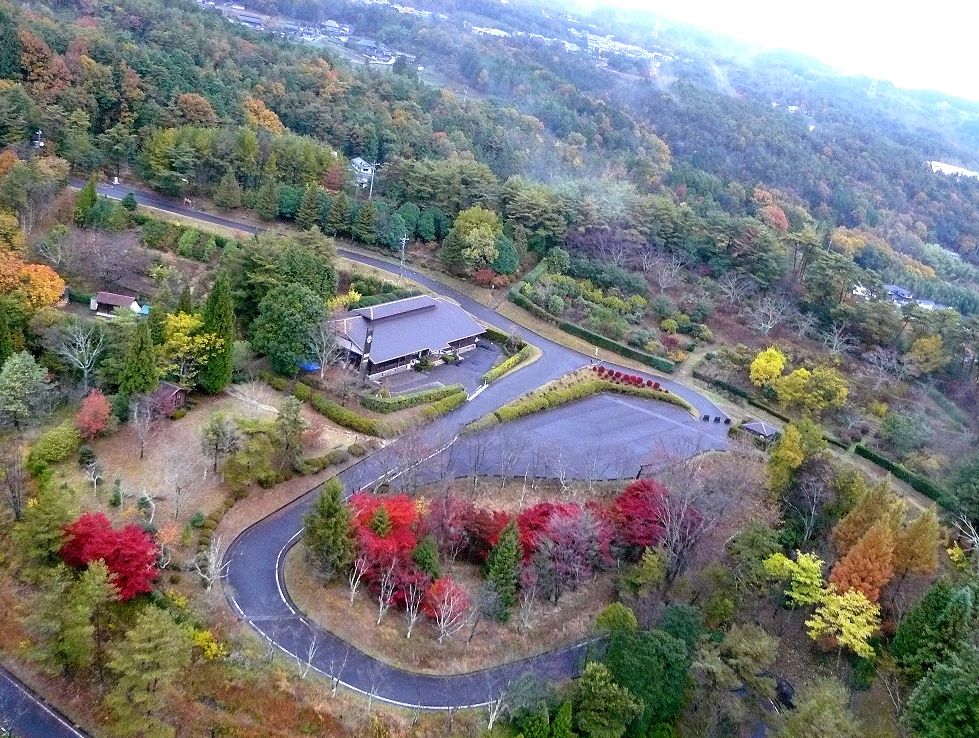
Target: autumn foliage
636,514
93,416
869,565
129,553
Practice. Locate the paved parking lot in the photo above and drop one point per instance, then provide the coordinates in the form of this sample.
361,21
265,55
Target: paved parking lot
468,372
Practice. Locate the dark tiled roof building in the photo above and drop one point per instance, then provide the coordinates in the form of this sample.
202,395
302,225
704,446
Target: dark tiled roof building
405,331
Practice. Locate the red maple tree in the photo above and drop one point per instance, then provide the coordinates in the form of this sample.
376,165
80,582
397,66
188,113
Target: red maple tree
129,553
636,514
93,416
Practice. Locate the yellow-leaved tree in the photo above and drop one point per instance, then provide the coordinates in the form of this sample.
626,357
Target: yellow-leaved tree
767,367
804,576
849,618
186,347
814,391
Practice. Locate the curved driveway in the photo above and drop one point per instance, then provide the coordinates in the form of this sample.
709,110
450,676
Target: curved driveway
254,582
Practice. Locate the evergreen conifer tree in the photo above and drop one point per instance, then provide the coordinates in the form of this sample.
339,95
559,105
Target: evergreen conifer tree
6,339
267,205
309,208
327,531
338,220
40,533
159,310
185,303
365,228
502,569
139,373
147,663
219,319
561,726
228,193
85,201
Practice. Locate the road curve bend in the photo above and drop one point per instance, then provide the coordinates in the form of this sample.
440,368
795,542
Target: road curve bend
255,585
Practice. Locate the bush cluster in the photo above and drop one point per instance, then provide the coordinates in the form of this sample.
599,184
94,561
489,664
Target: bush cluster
507,364
410,399
324,406
445,405
53,446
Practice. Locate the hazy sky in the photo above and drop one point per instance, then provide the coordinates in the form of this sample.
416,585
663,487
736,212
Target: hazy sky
929,44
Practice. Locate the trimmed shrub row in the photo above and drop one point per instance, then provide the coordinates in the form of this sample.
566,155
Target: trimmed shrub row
597,339
554,397
497,336
410,399
445,405
917,482
324,406
507,364
531,307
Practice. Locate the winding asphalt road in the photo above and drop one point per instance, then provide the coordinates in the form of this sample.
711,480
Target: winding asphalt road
254,583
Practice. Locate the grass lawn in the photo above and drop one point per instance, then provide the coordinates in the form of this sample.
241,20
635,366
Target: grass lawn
174,458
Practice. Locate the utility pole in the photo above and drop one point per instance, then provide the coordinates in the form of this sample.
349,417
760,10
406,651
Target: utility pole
366,356
404,243
370,193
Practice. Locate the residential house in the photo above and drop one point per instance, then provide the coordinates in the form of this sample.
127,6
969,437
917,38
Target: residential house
104,303
404,332
363,171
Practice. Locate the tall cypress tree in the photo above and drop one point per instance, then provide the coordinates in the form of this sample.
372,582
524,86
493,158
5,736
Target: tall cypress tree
139,374
501,569
339,219
365,229
228,193
159,310
185,303
219,319
267,205
309,208
327,531
84,202
6,339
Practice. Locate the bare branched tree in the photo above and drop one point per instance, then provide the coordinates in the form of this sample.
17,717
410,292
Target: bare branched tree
414,588
527,598
804,324
451,611
141,416
498,704
386,588
336,670
93,473
968,531
880,366
322,345
208,564
736,288
838,340
357,570
667,269
13,477
767,313
78,344
306,663
509,448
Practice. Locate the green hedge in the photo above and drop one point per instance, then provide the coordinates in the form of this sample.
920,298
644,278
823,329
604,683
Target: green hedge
324,406
922,484
597,339
507,364
410,399
530,306
501,337
541,400
534,274
445,405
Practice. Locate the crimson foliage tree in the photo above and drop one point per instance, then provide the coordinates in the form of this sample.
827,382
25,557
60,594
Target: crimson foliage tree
93,416
129,553
637,515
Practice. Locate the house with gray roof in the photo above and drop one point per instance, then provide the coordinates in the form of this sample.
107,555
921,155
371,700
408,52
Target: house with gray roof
404,332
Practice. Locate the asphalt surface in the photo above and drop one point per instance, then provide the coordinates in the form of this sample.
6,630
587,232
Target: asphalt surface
569,442
25,714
